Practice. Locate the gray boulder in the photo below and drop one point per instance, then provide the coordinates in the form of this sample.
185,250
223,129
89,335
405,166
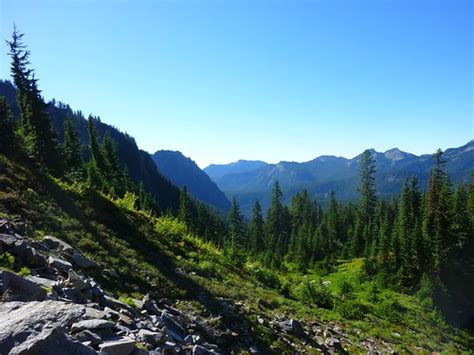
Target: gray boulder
36,328
172,328
121,346
292,326
55,243
83,262
76,281
150,337
59,264
91,324
116,304
88,336
17,288
41,281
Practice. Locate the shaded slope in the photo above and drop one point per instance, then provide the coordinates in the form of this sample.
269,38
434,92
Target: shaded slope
139,164
183,171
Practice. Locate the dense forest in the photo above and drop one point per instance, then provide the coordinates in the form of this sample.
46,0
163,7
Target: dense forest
414,242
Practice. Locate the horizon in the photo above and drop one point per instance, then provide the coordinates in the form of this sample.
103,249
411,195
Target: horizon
316,157
259,80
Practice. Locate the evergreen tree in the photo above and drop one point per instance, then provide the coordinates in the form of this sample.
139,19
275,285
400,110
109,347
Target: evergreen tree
184,210
236,227
95,149
7,128
273,225
362,236
36,130
72,148
111,163
367,191
256,230
95,166
436,222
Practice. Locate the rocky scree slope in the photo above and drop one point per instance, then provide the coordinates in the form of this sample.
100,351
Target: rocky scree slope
59,309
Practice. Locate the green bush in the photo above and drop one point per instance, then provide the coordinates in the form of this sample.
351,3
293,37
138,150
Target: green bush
128,201
314,293
352,310
267,277
7,261
206,268
24,271
346,289
235,257
389,309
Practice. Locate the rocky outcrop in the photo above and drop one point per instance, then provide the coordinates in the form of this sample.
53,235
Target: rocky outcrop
17,288
28,327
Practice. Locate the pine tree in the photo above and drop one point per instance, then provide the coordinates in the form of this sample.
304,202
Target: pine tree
367,191
273,225
236,227
95,165
95,149
7,128
111,163
184,210
72,148
36,130
363,230
256,230
436,222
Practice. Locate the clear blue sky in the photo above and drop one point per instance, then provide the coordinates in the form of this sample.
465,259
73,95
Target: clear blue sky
272,80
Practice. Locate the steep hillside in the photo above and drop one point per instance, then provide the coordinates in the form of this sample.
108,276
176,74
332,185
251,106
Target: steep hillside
139,163
329,173
183,171
232,307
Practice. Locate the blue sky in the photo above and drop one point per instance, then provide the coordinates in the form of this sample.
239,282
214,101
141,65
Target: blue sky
271,80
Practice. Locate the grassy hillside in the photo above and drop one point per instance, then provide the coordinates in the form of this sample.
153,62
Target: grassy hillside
138,253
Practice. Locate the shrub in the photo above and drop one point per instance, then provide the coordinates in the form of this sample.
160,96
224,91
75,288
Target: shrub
24,271
389,309
286,288
373,292
7,261
128,201
235,257
206,268
315,294
352,310
345,289
267,277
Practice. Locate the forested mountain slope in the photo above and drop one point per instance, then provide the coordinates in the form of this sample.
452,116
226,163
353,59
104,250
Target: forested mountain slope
139,164
329,173
182,171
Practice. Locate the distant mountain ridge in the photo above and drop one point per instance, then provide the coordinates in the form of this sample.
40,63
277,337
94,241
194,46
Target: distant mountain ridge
330,173
183,171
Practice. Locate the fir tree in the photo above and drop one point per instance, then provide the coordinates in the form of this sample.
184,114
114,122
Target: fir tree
72,148
36,130
7,129
236,226
273,225
184,210
256,230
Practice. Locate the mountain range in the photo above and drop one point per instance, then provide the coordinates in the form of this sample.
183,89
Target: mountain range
183,171
250,180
